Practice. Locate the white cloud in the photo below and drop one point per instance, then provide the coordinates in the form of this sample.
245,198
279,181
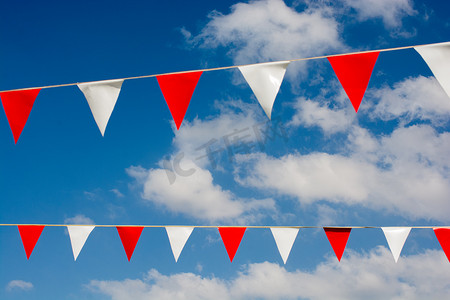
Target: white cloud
79,219
117,193
236,119
372,275
419,98
268,30
184,185
390,11
406,173
311,113
196,195
19,285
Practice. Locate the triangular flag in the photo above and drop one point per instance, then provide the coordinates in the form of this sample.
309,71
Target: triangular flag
78,236
443,236
101,97
129,237
265,81
231,237
284,238
338,239
178,237
17,106
437,57
178,89
30,235
353,72
396,238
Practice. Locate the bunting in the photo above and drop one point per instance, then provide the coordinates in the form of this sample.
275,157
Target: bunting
101,97
78,236
17,106
338,238
353,72
437,57
129,235
30,235
265,81
232,237
177,90
178,237
443,236
396,238
284,238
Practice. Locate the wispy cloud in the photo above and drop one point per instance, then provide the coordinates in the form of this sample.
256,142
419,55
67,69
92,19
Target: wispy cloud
19,285
372,275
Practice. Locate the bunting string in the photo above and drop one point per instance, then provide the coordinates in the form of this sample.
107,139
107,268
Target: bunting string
222,68
231,236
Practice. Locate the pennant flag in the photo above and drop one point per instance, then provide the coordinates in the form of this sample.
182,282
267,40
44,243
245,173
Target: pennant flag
338,239
265,81
353,72
231,237
177,89
284,238
30,235
437,57
129,237
178,237
17,106
78,236
396,238
101,97
443,236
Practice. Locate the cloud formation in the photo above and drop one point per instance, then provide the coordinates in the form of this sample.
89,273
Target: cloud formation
372,275
19,285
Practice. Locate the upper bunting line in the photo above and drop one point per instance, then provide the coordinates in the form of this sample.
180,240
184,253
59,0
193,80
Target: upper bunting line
219,68
224,226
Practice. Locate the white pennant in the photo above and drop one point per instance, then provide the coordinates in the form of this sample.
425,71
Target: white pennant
396,238
101,97
284,238
437,57
78,236
178,237
265,81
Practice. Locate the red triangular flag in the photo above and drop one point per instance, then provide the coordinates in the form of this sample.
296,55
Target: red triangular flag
30,235
129,237
338,239
17,106
231,237
353,72
177,89
443,236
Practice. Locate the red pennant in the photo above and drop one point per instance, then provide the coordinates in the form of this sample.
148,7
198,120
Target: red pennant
353,72
338,239
129,237
443,236
231,237
177,89
17,106
30,235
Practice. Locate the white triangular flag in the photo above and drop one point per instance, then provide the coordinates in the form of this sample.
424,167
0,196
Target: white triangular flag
78,236
101,97
265,81
178,237
284,238
437,57
396,238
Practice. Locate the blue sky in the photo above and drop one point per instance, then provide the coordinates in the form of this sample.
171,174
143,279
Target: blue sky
324,165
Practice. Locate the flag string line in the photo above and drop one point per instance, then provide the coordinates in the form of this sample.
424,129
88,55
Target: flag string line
221,68
222,226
